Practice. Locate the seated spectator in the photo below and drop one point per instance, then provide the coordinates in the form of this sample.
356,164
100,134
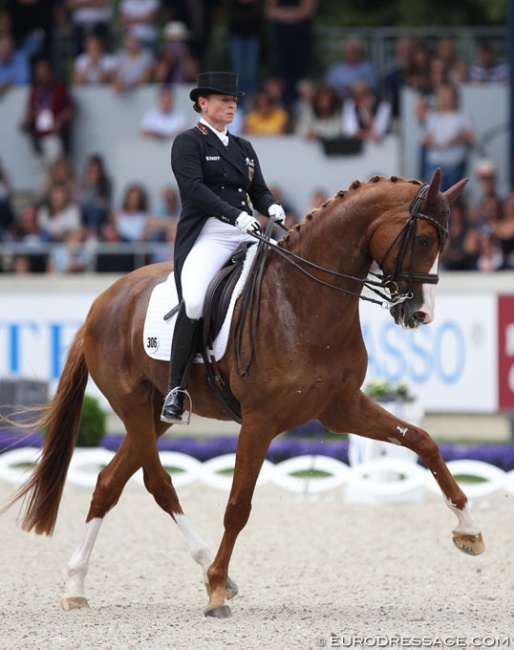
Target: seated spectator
354,68
134,65
61,171
90,17
72,255
94,196
132,220
321,118
59,215
266,117
27,231
139,17
503,230
48,116
175,64
418,74
164,120
94,66
6,209
166,214
460,253
454,69
394,76
489,254
14,65
447,136
487,183
364,115
488,68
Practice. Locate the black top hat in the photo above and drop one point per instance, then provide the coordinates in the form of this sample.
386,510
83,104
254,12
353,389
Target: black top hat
215,83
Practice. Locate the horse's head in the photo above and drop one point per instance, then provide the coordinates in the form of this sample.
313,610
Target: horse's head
412,248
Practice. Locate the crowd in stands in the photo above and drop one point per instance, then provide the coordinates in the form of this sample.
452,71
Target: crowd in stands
269,43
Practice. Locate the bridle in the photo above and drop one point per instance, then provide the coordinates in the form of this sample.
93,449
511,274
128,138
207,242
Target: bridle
407,237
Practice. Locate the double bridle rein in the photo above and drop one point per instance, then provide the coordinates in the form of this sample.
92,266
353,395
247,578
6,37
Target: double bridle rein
405,238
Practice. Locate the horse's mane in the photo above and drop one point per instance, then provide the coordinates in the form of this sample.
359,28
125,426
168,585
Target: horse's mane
341,195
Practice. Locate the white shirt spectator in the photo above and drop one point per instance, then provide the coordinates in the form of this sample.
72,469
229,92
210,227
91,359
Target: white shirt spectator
139,17
163,120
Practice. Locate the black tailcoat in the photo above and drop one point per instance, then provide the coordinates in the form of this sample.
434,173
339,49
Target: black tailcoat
214,180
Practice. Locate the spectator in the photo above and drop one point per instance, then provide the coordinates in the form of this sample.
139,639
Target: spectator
175,63
14,67
95,196
365,116
489,257
454,69
48,115
354,68
72,255
245,27
31,25
165,216
6,210
27,231
488,68
291,22
90,18
114,260
418,75
487,183
266,117
322,117
503,229
163,121
447,137
461,251
394,77
94,66
134,66
61,171
139,17
132,221
59,215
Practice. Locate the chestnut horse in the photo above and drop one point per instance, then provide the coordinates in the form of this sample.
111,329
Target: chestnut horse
309,361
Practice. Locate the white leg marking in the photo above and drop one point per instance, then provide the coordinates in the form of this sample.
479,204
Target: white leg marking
429,295
79,561
402,430
467,524
198,548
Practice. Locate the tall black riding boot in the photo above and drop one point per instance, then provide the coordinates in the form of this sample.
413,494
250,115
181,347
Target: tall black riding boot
183,348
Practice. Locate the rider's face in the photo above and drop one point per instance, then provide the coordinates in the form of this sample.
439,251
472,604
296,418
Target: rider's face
218,110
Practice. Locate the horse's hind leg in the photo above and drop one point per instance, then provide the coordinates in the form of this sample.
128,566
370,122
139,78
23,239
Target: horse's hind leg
366,418
109,486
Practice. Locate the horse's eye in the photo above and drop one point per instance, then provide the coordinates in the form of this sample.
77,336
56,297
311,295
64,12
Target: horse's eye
424,241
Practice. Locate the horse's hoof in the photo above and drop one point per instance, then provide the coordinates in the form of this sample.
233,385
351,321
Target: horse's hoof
232,589
469,544
74,603
219,612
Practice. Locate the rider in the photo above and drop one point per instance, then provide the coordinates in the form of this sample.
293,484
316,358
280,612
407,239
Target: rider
219,179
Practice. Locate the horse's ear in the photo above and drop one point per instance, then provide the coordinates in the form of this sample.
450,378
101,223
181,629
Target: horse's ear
454,191
435,184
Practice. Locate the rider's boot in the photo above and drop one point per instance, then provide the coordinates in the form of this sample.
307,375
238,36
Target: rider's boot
183,349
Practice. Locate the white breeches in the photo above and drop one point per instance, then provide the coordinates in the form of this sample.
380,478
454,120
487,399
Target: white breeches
215,244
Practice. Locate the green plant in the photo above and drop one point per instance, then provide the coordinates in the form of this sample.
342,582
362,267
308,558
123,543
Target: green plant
92,423
388,391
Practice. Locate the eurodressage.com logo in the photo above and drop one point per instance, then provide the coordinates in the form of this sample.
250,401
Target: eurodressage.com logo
344,641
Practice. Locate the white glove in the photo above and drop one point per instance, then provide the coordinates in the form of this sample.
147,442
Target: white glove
276,212
248,224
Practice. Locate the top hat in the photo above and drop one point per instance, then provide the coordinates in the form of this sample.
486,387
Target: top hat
215,83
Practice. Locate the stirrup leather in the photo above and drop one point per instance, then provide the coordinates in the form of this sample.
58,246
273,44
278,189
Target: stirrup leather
173,393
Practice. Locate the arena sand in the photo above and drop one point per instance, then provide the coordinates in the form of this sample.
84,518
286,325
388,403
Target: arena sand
311,574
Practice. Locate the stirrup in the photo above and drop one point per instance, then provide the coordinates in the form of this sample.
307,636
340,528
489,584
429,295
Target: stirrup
173,393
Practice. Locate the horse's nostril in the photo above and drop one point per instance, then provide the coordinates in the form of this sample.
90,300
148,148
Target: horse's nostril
420,316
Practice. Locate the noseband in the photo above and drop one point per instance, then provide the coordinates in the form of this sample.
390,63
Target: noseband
406,237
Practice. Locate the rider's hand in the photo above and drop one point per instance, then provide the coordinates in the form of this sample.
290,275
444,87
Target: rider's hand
248,224
276,212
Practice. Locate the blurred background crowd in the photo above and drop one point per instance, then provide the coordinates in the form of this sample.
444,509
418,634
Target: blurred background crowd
70,222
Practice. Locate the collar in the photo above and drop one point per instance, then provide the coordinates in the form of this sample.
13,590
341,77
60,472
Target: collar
222,135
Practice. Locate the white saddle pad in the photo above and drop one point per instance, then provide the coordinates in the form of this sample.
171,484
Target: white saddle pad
158,333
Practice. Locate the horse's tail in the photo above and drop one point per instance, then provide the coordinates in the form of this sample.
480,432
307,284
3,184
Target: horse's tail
42,492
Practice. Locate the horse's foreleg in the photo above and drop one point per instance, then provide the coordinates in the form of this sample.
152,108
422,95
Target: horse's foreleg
251,452
109,486
366,418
